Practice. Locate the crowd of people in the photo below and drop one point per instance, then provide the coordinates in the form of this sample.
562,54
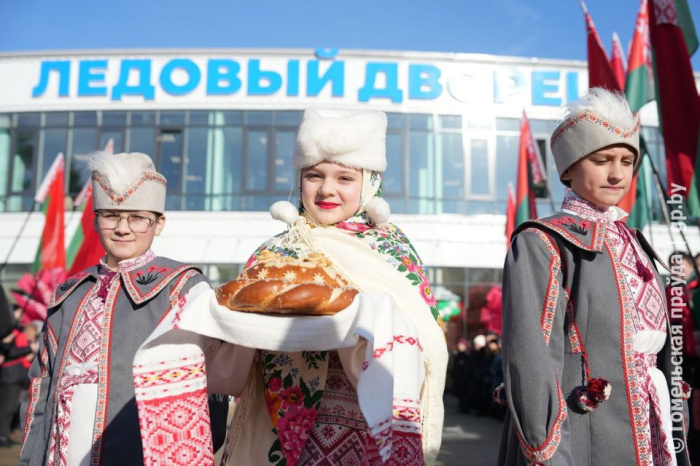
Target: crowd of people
475,373
18,347
139,354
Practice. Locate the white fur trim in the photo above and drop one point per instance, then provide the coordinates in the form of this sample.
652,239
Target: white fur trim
121,170
352,138
378,210
284,211
610,105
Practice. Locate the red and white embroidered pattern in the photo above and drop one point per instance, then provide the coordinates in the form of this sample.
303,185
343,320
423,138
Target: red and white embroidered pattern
176,301
406,442
34,391
665,12
119,199
546,450
400,340
585,115
649,300
51,338
551,296
54,438
633,384
653,427
85,349
189,370
650,305
103,373
174,413
340,433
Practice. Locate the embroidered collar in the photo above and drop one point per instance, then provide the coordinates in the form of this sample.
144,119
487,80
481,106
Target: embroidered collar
128,265
147,275
64,290
573,204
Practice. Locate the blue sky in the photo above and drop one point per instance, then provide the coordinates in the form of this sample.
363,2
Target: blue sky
526,28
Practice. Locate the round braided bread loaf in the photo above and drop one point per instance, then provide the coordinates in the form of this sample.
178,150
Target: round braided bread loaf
278,284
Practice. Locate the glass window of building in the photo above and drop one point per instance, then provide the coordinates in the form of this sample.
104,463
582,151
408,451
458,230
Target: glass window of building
54,143
83,142
450,161
480,179
28,120
56,119
22,181
197,159
256,162
139,119
506,163
85,119
284,172
140,140
288,118
422,172
259,118
119,118
170,162
5,160
172,119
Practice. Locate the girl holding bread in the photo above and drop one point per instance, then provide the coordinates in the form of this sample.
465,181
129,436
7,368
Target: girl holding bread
330,336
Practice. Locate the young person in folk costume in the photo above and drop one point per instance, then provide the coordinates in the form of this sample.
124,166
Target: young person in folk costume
81,408
361,386
586,337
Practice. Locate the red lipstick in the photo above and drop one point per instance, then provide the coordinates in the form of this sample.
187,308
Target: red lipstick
327,205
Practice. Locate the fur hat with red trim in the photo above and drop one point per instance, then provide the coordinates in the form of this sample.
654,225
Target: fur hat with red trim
126,181
597,120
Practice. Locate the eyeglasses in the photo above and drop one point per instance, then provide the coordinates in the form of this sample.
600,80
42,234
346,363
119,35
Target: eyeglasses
137,223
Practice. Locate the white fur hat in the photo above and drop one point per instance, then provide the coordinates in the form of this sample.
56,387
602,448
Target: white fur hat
597,120
126,181
354,138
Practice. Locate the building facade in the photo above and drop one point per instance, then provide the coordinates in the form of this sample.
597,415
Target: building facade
221,124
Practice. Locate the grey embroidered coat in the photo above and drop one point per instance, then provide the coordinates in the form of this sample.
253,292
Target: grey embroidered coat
136,302
562,282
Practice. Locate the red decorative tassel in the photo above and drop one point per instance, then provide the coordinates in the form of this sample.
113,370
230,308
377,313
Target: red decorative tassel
643,271
590,396
599,390
685,390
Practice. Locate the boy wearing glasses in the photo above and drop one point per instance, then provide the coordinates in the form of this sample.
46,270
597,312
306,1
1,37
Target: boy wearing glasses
81,408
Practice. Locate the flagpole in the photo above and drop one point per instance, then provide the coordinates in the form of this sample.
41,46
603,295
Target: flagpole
664,209
17,237
549,194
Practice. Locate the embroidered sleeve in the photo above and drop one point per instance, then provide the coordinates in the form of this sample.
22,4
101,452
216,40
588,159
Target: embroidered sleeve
33,411
534,303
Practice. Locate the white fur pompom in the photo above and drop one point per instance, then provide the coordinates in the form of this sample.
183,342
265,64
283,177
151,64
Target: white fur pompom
284,211
378,210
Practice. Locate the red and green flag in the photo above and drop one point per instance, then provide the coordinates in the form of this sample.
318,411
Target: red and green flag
51,253
673,40
530,172
600,73
639,89
618,62
639,85
85,249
